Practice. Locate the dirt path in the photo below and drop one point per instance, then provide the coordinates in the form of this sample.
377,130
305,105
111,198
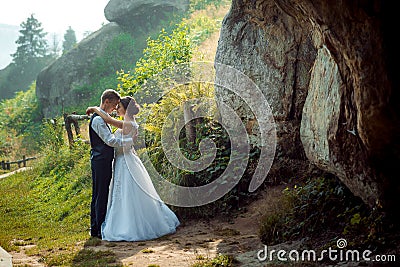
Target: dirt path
21,259
196,241
14,172
192,243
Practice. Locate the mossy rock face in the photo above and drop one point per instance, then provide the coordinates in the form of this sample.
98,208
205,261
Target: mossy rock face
76,76
55,83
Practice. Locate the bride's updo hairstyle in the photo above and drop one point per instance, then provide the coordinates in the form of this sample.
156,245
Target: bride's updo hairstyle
131,107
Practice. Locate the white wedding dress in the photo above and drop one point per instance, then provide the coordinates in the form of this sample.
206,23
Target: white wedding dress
135,211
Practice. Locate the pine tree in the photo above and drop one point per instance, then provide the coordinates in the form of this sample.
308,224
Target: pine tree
69,40
54,48
31,43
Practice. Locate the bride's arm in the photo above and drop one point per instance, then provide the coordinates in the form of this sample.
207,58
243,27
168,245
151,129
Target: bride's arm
105,116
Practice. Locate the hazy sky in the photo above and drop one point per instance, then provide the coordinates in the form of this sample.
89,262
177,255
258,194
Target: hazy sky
56,15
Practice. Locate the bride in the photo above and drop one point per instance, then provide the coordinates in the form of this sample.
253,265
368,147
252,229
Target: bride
135,211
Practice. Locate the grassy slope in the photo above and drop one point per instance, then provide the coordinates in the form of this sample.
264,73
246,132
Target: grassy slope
48,206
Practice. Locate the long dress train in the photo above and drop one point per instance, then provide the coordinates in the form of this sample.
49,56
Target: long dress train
135,211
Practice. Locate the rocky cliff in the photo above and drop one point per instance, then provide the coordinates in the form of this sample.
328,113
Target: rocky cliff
327,70
57,84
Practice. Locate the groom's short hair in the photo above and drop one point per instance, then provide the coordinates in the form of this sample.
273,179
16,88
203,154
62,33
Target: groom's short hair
111,95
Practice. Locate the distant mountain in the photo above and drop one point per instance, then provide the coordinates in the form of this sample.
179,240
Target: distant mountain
8,35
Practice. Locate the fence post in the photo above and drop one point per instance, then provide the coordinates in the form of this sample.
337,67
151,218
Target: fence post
3,165
190,125
76,126
24,160
67,123
8,165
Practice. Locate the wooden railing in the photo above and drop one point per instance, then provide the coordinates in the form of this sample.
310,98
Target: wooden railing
6,165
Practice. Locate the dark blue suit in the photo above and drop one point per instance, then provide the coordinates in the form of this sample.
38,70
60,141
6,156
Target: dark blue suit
101,158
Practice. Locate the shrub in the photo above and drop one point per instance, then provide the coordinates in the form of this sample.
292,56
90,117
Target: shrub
161,53
320,206
20,121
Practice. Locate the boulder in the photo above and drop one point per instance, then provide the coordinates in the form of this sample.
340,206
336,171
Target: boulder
327,69
134,14
277,54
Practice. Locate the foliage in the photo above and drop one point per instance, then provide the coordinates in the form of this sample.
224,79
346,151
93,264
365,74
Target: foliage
69,40
92,258
161,53
305,210
201,27
31,42
202,4
171,105
31,57
20,119
15,78
219,261
119,54
175,100
319,206
52,134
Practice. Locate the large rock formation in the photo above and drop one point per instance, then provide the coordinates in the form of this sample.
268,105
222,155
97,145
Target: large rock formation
277,54
58,85
327,69
145,12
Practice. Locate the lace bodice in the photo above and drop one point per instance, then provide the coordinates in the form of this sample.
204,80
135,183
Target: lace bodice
118,134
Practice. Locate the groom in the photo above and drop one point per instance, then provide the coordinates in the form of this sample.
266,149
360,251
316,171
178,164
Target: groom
102,143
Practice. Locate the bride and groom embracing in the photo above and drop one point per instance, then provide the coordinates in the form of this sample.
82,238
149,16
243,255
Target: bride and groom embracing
125,206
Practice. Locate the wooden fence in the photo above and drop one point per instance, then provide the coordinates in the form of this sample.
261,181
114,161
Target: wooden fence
6,165
70,120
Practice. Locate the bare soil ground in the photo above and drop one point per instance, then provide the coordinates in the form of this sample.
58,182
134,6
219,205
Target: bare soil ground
194,241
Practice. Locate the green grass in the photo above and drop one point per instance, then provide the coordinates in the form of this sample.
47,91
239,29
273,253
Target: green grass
91,258
147,250
48,207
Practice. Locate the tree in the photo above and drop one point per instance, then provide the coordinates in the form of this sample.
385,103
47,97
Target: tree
31,43
31,57
54,46
69,40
